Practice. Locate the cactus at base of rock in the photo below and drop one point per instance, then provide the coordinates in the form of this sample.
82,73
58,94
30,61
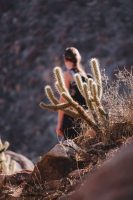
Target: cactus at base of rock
91,90
7,166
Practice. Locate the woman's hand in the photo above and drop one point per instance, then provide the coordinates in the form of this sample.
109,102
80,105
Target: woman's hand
59,132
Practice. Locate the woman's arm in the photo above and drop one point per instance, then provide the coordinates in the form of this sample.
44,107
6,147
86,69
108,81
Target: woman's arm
67,79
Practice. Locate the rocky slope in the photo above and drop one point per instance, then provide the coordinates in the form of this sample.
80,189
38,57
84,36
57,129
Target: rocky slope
68,167
33,35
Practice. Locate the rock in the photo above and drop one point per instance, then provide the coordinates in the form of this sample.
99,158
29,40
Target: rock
12,185
78,173
23,162
112,181
17,178
51,172
72,144
128,141
66,196
111,154
54,185
57,163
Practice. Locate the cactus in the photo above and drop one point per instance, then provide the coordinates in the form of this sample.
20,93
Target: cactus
77,110
59,78
50,95
97,75
91,90
78,81
7,166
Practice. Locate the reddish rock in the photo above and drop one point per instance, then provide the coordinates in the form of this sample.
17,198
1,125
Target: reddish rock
17,178
54,165
23,163
113,181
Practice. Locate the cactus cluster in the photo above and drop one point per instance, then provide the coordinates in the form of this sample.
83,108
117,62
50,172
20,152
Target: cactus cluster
95,115
7,166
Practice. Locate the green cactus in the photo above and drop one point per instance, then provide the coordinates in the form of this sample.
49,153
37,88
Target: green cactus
97,75
12,167
7,166
60,106
58,87
59,78
89,83
91,90
78,81
87,95
50,94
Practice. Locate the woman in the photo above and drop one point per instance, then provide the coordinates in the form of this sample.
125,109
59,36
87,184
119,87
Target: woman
66,125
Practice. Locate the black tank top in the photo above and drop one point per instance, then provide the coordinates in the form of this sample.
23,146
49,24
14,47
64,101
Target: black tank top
74,91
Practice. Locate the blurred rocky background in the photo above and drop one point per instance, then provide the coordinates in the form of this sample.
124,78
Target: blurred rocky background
33,36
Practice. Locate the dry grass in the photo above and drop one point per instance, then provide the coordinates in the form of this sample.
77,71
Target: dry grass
118,100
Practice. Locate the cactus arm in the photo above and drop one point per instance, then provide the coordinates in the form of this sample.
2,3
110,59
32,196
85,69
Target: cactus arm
6,145
87,96
63,107
59,78
97,75
89,83
81,111
79,83
72,113
90,103
58,88
97,101
12,167
60,106
50,94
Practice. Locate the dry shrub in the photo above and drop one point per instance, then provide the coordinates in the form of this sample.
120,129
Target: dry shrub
118,102
117,98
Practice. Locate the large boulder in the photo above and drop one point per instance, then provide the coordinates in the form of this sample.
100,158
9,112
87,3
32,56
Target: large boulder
57,163
113,181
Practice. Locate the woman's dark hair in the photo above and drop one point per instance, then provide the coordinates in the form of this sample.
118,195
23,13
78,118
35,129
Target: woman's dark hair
72,54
